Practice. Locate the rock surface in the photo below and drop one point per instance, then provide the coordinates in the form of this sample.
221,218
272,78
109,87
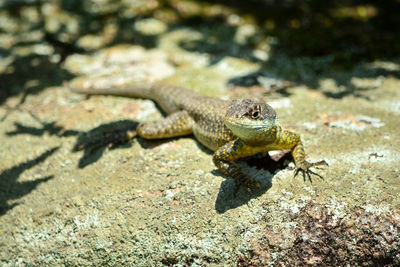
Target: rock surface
163,202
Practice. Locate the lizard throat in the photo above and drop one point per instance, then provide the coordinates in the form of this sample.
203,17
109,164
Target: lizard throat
253,133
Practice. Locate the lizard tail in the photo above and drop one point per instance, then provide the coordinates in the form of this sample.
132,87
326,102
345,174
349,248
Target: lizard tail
137,91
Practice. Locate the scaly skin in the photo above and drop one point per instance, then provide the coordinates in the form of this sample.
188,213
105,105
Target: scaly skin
233,129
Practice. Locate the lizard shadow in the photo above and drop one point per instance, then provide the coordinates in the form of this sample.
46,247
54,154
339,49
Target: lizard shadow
260,167
95,141
227,199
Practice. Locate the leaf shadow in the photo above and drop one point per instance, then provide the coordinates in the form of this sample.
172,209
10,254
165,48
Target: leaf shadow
11,189
50,128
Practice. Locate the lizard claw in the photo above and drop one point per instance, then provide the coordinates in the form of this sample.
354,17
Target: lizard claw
304,168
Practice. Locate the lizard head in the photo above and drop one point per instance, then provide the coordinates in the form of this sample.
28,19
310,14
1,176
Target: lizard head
250,120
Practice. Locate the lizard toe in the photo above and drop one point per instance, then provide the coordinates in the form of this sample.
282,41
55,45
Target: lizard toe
305,166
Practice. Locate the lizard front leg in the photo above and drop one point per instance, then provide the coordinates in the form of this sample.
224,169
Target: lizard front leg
223,159
292,141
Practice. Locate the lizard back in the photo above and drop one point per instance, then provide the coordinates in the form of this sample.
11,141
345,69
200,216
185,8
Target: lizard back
207,113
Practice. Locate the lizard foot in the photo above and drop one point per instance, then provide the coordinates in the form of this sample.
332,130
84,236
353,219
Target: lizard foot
304,168
247,183
111,139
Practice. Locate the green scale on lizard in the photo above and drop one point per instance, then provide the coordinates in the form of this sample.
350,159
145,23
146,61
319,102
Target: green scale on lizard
232,129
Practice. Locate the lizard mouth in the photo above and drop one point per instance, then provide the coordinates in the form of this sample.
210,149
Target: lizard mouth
241,124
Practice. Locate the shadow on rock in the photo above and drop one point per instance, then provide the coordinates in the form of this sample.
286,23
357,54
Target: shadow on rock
112,135
226,198
25,74
10,188
96,141
50,128
303,53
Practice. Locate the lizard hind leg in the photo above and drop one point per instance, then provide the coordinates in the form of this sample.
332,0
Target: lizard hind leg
177,124
174,125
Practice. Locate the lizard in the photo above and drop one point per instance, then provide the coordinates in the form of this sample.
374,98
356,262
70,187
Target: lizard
231,129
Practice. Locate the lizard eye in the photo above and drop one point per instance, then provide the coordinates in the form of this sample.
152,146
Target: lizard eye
255,114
